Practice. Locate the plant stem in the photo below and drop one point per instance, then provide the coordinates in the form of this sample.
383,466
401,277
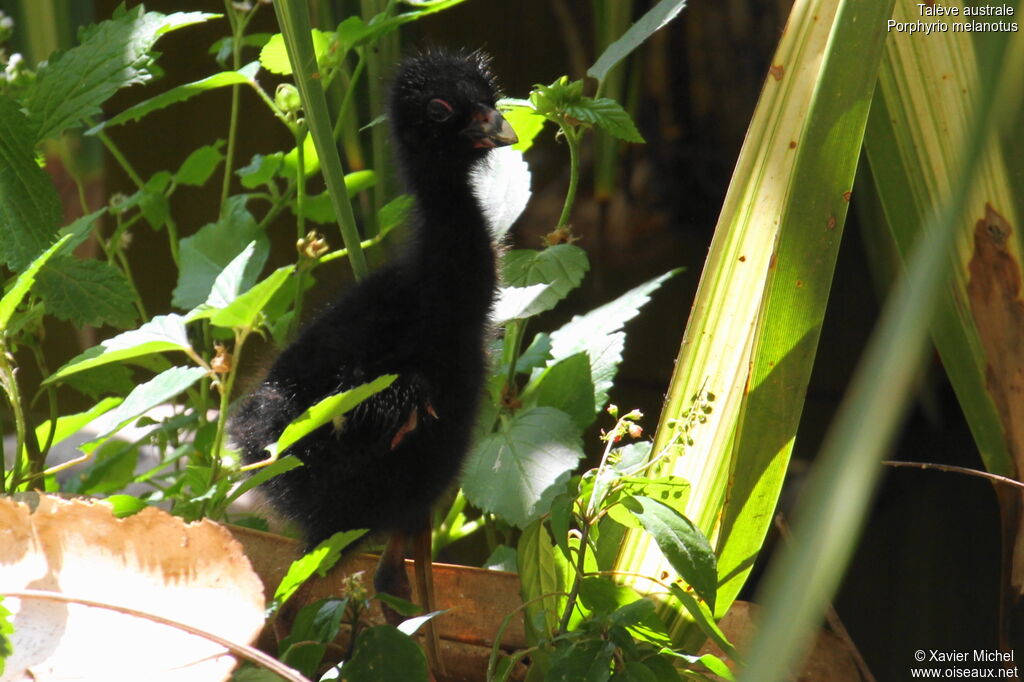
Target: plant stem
225,385
570,602
9,382
573,140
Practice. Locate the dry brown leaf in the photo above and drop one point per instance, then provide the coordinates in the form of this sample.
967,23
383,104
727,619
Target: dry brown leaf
193,573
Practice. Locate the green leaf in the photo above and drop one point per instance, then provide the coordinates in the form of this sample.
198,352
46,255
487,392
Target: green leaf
635,671
181,93
319,560
565,385
598,334
562,267
317,622
536,354
10,301
87,292
228,284
533,454
102,381
329,408
655,18
539,580
383,654
200,165
705,620
69,425
503,558
112,55
606,114
395,212
244,310
29,206
261,170
206,253
264,474
162,333
586,661
672,491
111,468
682,543
274,56
525,121
319,209
125,505
79,229
145,397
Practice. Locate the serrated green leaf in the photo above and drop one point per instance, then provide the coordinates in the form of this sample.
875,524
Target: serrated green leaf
597,333
683,545
229,282
395,212
564,385
145,397
503,558
536,354
181,93
329,408
274,56
533,453
200,165
383,654
205,254
606,114
10,301
586,661
102,381
29,206
260,170
561,267
86,292
319,560
655,18
79,229
112,55
244,311
162,333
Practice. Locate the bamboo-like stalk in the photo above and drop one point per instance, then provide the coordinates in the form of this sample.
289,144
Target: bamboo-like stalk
293,17
753,331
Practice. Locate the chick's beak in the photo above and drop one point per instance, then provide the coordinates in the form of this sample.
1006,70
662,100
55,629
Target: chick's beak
488,129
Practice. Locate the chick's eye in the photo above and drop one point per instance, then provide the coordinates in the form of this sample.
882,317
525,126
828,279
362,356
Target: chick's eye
439,110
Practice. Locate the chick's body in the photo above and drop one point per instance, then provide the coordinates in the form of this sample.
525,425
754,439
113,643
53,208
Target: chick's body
423,317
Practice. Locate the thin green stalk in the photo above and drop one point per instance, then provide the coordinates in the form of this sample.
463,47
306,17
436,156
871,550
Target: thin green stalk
51,399
123,260
571,139
9,382
293,17
577,581
226,384
350,89
121,159
238,27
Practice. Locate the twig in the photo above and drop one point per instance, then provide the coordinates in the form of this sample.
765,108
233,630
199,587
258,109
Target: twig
240,650
950,468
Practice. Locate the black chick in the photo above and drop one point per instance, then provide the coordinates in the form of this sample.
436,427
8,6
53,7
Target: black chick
423,316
